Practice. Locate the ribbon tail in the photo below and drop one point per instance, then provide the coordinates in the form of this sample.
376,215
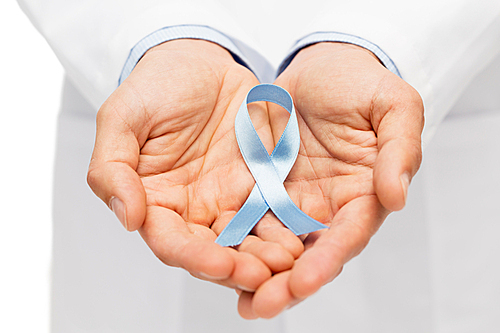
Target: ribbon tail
269,172
288,213
244,221
306,226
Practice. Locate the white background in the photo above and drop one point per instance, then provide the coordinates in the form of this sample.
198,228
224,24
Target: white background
31,80
30,84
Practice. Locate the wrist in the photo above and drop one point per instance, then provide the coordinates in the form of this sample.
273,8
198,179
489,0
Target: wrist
326,61
328,48
207,50
180,32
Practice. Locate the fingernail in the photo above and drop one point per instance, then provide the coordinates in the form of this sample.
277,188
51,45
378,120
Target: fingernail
245,289
118,207
208,277
405,182
293,303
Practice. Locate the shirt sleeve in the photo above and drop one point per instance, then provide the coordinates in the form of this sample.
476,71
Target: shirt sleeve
319,37
178,32
438,47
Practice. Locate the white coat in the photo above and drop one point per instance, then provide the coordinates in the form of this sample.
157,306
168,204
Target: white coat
431,268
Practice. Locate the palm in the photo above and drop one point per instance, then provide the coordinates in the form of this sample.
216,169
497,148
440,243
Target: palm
335,162
345,102
180,106
190,163
339,143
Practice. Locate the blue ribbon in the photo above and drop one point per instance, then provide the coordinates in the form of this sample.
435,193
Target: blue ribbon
269,171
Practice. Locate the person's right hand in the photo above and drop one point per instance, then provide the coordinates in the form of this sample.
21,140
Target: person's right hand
166,161
360,129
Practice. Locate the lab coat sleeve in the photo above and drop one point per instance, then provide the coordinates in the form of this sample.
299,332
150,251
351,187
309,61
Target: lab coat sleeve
94,38
438,46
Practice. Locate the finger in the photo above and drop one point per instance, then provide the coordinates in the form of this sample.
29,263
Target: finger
170,239
112,174
351,229
245,306
270,229
275,256
249,271
248,274
400,153
273,296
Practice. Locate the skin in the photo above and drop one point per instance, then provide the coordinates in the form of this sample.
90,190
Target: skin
360,128
166,148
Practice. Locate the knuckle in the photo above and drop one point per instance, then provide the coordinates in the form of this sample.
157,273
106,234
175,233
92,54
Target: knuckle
416,151
416,101
93,178
412,98
106,111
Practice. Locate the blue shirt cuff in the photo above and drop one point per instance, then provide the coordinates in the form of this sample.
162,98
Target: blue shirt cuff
178,32
319,37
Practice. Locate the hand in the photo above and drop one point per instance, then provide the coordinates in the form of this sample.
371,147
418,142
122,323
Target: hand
167,162
360,128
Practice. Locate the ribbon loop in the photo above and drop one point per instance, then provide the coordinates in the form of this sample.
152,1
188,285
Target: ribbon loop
269,171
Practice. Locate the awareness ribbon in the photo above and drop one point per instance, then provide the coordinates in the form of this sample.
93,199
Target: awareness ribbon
269,171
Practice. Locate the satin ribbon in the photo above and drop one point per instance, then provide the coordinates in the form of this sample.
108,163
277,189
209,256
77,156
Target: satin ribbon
269,171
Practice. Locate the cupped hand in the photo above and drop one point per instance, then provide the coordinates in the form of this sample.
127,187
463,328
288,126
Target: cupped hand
167,163
360,131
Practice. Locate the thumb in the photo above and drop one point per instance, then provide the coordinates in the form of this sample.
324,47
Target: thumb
400,153
112,172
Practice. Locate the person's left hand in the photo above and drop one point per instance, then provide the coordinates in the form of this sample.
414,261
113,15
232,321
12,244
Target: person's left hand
360,131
